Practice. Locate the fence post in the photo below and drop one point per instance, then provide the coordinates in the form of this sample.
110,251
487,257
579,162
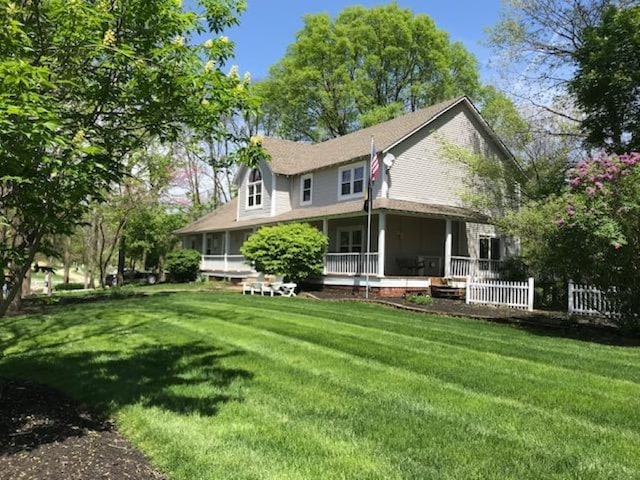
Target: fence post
530,297
467,296
571,306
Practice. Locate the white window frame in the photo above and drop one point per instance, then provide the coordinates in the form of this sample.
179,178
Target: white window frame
350,230
253,185
352,168
303,178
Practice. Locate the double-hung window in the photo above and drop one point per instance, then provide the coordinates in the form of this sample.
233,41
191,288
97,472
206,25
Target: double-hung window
306,187
351,181
489,251
350,240
254,189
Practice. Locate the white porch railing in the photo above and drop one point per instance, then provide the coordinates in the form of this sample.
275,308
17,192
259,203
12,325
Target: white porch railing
352,263
224,263
496,292
588,300
475,267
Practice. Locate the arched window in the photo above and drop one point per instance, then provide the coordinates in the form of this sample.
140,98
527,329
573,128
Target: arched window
254,189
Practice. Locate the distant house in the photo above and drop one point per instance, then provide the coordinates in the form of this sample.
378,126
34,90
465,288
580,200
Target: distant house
420,226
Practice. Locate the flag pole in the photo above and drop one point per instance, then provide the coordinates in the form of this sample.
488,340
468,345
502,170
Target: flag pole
369,202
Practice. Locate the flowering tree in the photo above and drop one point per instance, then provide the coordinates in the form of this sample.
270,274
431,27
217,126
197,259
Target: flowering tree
83,85
599,228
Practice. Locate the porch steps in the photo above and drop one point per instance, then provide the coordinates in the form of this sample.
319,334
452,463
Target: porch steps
441,288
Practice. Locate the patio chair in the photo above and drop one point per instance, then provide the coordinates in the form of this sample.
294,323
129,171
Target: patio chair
287,289
272,288
253,286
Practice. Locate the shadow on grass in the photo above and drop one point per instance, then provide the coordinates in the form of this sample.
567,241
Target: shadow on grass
183,379
600,334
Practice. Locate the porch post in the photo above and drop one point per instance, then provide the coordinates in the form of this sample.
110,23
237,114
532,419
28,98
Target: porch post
203,248
226,249
447,248
325,230
382,225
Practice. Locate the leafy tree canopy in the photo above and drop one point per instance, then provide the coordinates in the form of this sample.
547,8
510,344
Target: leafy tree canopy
83,83
363,67
606,84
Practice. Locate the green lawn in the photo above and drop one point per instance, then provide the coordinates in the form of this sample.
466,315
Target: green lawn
220,385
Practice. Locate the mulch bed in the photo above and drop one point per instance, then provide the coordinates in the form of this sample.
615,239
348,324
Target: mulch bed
44,434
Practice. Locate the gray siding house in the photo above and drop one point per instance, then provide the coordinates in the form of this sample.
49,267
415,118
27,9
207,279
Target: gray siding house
421,228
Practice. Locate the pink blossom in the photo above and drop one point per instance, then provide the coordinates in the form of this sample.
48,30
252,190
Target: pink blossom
570,210
559,221
591,191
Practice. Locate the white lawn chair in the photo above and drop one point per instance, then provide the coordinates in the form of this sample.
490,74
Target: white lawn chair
254,286
272,288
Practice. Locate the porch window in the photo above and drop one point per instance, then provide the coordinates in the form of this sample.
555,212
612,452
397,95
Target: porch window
306,185
350,240
351,181
254,189
489,248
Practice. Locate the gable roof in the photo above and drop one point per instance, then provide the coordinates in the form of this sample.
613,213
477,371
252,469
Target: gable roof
293,158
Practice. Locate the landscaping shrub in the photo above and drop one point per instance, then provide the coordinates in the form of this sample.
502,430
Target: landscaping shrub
420,299
183,265
295,250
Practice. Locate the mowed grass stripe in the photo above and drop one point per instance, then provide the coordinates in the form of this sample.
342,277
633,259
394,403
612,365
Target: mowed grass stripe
466,409
593,399
311,409
474,334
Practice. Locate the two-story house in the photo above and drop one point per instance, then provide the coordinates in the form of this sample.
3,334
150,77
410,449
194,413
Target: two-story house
421,227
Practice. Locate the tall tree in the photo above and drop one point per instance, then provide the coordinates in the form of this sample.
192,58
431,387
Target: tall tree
83,83
364,66
606,84
536,41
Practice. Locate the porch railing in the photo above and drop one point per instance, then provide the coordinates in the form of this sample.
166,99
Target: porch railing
352,263
475,267
224,263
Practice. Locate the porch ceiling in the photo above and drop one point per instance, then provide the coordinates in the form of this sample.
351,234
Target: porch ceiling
224,218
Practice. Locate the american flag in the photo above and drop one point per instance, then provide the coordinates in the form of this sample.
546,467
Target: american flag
375,165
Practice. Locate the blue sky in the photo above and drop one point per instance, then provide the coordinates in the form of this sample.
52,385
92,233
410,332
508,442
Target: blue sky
268,26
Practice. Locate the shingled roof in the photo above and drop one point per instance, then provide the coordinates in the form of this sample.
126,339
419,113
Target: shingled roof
224,218
293,158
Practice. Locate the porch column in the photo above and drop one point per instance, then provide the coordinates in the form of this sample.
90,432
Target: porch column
325,230
382,225
227,238
203,246
447,248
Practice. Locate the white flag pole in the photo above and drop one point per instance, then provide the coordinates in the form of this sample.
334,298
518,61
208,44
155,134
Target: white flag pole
369,205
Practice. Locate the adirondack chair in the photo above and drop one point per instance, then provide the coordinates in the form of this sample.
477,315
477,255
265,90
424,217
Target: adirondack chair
254,286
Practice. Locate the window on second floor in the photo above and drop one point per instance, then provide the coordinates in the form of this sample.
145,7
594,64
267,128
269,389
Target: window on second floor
351,181
306,187
254,189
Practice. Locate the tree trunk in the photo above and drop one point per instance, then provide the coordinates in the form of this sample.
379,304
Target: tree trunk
67,259
121,260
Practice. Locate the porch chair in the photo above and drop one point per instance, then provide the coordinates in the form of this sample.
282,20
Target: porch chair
253,286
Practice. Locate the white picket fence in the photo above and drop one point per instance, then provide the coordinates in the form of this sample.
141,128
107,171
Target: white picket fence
588,300
498,292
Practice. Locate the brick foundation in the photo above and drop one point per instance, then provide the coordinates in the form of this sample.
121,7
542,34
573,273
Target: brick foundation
374,292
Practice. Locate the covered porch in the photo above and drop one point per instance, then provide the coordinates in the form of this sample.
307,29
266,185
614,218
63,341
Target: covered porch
401,245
